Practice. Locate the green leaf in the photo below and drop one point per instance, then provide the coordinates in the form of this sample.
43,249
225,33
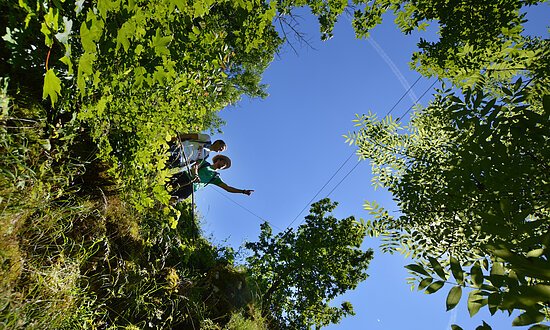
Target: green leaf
48,40
488,107
434,287
475,302
517,84
484,326
125,35
535,293
90,32
457,271
437,268
493,302
497,268
424,283
67,61
85,69
454,297
52,86
180,4
200,8
507,91
417,269
535,253
527,318
104,6
539,327
505,206
455,327
45,143
477,275
159,43
455,99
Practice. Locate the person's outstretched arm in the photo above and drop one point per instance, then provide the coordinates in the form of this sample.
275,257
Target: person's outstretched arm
234,190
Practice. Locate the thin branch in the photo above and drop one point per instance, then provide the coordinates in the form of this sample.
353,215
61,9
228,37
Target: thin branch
290,21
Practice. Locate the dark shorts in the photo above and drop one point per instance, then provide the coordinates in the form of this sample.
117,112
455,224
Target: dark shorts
182,187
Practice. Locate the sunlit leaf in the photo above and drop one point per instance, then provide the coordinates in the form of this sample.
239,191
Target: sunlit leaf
417,269
437,268
424,283
527,318
535,253
453,297
475,302
457,271
434,287
52,86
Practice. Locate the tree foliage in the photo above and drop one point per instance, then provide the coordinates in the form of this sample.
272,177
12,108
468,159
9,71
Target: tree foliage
470,176
136,72
300,272
474,37
470,171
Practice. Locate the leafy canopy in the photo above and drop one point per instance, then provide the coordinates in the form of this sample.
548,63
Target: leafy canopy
470,176
137,72
300,272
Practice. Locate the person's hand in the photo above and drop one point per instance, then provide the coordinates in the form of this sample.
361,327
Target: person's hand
247,192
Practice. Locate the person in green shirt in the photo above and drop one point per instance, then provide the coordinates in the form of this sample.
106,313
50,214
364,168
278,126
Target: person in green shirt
200,176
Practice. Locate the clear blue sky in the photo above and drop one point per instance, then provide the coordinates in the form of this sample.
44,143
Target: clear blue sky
287,146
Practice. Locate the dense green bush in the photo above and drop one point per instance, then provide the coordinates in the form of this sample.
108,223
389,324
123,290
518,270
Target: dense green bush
136,72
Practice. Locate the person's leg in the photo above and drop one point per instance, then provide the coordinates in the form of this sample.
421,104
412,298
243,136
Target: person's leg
182,186
183,192
174,156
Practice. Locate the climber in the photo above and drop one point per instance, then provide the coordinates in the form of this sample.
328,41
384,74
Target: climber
201,175
188,149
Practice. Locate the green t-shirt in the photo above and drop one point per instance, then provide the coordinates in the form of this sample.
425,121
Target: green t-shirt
208,176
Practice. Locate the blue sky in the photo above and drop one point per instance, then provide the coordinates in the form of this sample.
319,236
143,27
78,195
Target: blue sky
288,145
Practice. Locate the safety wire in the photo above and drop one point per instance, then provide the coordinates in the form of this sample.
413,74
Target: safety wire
323,187
398,120
246,209
287,230
421,96
191,183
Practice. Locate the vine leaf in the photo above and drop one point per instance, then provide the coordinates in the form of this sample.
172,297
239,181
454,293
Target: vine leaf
52,86
159,43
